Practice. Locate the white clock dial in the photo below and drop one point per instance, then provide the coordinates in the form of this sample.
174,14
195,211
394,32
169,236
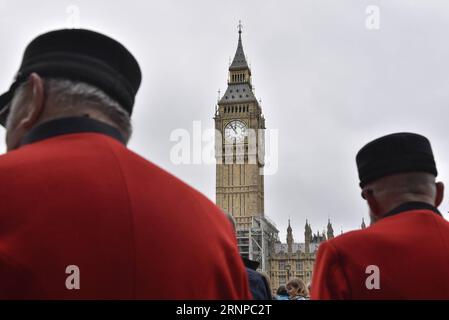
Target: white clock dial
235,131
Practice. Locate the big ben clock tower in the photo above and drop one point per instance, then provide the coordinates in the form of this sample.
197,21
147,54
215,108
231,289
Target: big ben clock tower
239,147
239,152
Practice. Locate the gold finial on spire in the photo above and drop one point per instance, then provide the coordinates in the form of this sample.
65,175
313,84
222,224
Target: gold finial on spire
240,27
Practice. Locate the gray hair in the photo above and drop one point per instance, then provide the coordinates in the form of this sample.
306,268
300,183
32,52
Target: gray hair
73,96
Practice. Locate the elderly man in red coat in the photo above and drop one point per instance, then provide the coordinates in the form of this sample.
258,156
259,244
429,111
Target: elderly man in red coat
82,216
404,254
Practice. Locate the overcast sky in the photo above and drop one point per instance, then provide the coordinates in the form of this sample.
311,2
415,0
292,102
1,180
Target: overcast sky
327,83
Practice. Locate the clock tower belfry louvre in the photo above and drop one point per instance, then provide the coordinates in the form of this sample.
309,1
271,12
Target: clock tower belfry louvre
239,152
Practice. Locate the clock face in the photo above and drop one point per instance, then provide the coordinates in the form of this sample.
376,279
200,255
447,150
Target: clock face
235,131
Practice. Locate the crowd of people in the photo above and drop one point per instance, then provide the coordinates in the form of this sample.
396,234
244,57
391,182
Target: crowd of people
78,206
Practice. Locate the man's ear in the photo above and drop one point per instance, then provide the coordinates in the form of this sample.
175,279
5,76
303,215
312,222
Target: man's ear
439,194
36,101
367,194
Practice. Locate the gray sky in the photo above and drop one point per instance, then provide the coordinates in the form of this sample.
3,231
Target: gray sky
327,83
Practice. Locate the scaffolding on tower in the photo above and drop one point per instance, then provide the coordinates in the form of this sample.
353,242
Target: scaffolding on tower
256,236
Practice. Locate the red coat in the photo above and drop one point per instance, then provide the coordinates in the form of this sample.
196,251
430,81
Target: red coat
132,229
410,247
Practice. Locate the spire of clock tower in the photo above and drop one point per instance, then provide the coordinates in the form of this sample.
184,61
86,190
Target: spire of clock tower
239,61
240,89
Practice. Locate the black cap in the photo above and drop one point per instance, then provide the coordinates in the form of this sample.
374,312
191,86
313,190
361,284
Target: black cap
80,55
250,263
395,153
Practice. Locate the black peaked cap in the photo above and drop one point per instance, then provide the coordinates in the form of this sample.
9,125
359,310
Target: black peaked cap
395,153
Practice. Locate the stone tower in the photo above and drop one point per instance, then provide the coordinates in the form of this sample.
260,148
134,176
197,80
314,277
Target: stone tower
239,153
330,230
307,237
239,146
289,238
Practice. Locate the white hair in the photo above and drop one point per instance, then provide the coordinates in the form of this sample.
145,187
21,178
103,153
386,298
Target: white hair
71,95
